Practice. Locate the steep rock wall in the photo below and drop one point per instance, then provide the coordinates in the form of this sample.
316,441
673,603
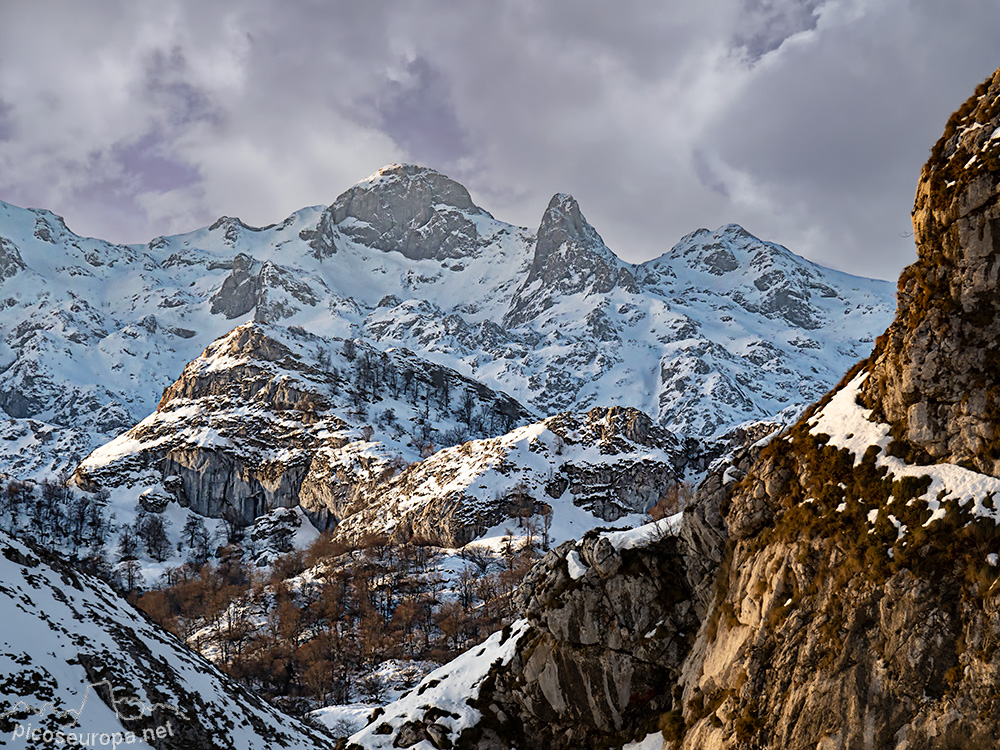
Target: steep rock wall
934,369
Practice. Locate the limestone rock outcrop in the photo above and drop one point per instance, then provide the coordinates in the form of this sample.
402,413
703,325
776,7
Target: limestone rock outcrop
272,417
238,294
935,375
408,209
610,462
610,628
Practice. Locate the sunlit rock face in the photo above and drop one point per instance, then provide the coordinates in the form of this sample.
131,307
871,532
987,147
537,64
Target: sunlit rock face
937,369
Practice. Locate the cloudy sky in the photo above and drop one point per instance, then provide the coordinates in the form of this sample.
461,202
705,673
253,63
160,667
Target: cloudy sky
806,121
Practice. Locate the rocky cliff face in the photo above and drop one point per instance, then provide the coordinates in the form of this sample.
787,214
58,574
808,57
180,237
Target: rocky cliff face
858,604
10,259
934,374
266,410
836,589
609,627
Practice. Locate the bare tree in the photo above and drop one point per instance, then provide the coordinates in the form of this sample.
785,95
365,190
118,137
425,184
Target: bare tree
479,555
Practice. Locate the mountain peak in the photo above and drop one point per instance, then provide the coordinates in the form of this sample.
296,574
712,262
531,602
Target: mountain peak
728,249
414,187
935,372
564,229
410,209
564,222
570,258
402,171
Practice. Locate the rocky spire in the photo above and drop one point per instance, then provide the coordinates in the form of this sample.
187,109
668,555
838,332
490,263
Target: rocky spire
570,257
936,371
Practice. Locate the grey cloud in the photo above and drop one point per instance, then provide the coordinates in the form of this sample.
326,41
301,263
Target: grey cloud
707,175
6,121
165,81
764,25
418,113
836,131
170,115
144,165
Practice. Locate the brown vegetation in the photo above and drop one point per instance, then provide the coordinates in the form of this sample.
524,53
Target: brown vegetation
310,640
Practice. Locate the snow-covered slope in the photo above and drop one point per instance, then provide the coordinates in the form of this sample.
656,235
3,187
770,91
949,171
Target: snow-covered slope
274,417
78,665
921,494
564,476
445,696
723,328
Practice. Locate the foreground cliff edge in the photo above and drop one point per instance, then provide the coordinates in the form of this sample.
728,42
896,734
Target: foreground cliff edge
836,589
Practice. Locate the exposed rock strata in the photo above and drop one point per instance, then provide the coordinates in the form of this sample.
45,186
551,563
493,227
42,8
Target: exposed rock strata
601,647
238,294
10,259
255,424
935,369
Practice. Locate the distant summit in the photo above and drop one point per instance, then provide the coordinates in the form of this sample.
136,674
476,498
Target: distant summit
413,210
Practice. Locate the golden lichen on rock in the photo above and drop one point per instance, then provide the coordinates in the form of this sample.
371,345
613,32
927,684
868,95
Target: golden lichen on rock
936,370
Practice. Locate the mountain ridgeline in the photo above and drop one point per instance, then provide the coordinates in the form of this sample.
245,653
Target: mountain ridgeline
722,329
351,341
402,366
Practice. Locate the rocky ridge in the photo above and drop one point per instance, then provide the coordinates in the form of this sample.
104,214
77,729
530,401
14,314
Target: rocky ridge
571,472
254,425
933,370
271,417
92,332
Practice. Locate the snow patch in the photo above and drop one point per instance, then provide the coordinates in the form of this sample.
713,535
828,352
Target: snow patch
849,426
447,691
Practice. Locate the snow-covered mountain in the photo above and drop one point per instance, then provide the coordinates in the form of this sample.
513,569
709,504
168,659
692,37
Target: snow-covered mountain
721,329
79,664
398,363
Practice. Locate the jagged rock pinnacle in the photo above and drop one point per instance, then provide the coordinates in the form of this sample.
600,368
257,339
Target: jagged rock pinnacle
570,257
562,224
